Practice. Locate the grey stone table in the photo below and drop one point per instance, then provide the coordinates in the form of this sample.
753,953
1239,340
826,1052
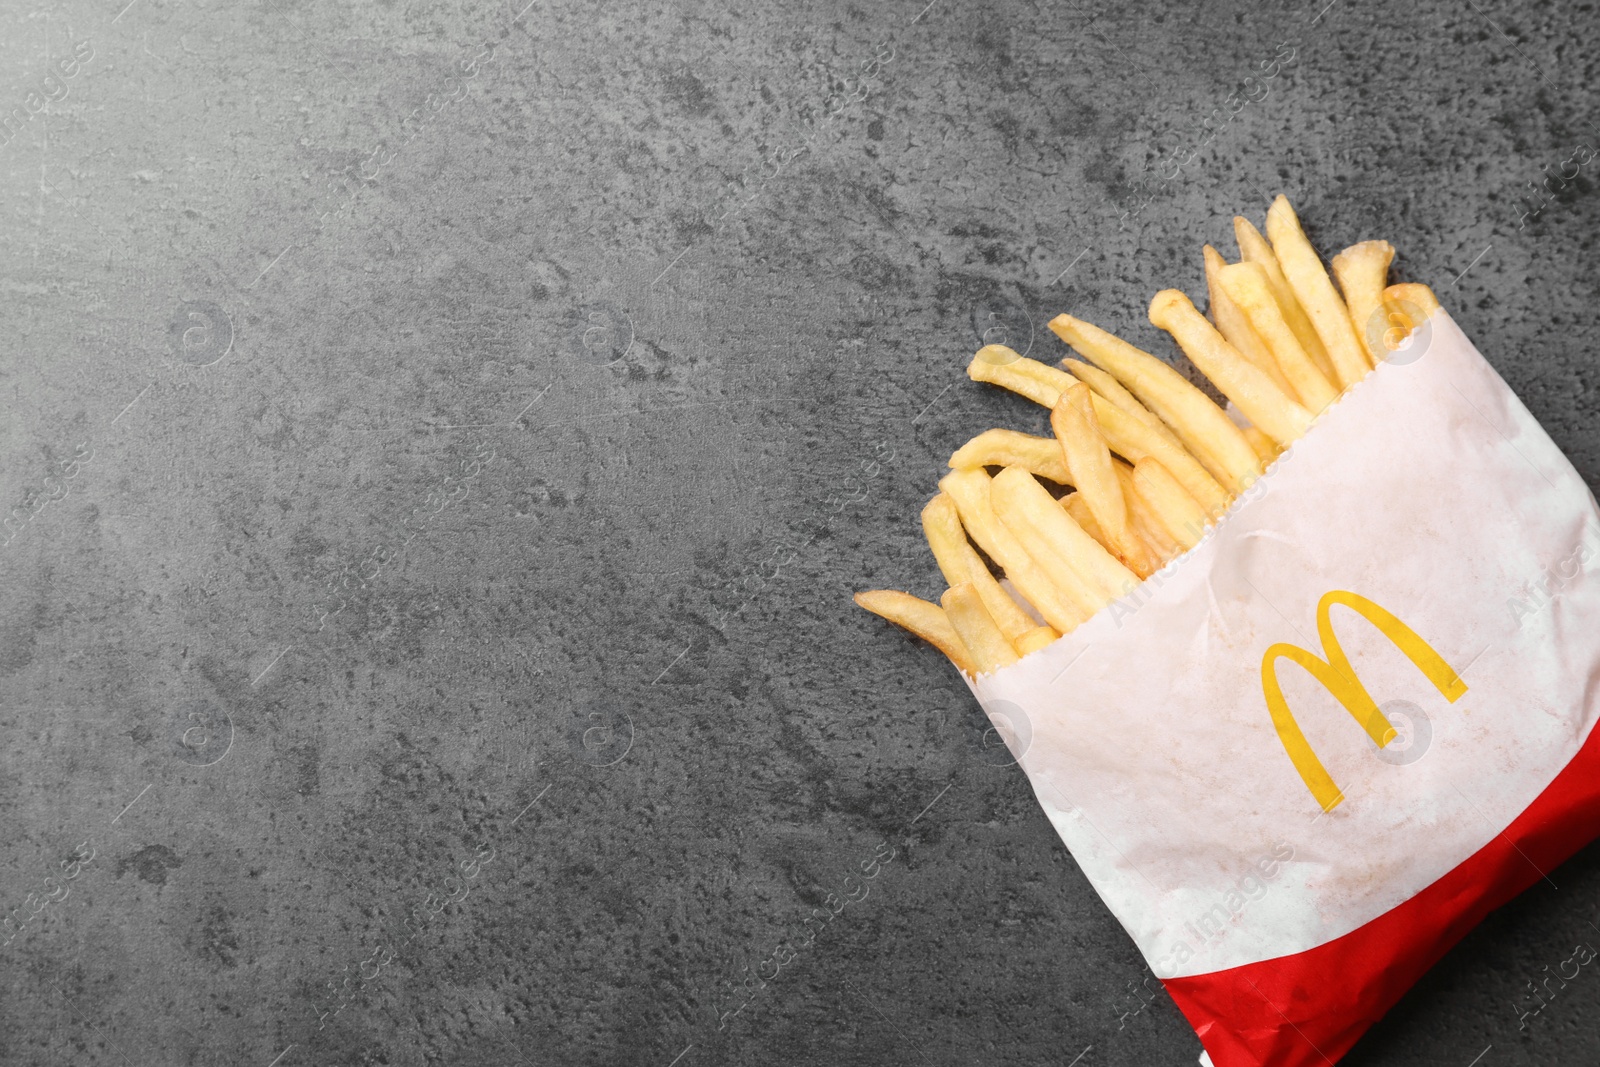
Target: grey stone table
440,441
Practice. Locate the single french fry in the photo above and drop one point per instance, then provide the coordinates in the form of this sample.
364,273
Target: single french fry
1109,389
1314,289
1414,293
1018,497
1247,284
1133,441
1397,326
1406,306
1088,458
941,525
1035,639
998,365
1204,428
960,564
1081,397
1059,606
1179,514
1005,448
1078,508
1265,446
1251,389
1253,248
987,645
1236,327
1362,271
927,621
1144,518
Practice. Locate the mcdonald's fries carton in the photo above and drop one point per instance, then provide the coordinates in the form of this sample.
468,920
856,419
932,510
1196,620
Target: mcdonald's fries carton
1305,758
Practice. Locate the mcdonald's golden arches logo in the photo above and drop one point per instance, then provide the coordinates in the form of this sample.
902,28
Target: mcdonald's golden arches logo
1338,677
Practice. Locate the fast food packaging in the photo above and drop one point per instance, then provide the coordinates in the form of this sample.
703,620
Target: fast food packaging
1303,760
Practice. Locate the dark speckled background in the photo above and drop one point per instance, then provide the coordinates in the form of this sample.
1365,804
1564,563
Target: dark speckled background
471,423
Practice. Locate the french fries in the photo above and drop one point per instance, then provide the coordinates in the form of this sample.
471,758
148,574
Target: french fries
1236,327
1362,271
1303,269
1133,441
1063,608
984,642
1145,520
1152,461
1004,448
1414,293
927,621
1089,460
1128,435
1110,390
1078,508
1086,598
1250,388
1034,380
1035,639
1204,428
1018,497
1253,248
1178,513
1251,291
1406,306
961,565
1265,446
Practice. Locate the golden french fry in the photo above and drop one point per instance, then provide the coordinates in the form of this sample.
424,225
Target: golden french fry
1362,271
1144,518
1394,325
1179,514
1413,293
988,646
1020,499
1089,460
941,525
1133,440
1313,288
1005,448
1398,324
1081,398
1250,388
1035,639
1265,446
1078,508
1405,307
1205,429
1247,284
998,365
1236,327
927,621
1060,607
1110,390
1253,248
960,564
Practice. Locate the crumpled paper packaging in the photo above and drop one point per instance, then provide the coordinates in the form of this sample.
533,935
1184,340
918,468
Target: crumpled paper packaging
1427,497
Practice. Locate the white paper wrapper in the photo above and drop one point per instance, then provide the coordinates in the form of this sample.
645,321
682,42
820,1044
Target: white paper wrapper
1429,490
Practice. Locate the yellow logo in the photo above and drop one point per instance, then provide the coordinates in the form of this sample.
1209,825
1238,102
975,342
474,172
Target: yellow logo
1339,679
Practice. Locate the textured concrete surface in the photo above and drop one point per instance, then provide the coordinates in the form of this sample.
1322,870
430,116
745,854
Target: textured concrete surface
440,440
